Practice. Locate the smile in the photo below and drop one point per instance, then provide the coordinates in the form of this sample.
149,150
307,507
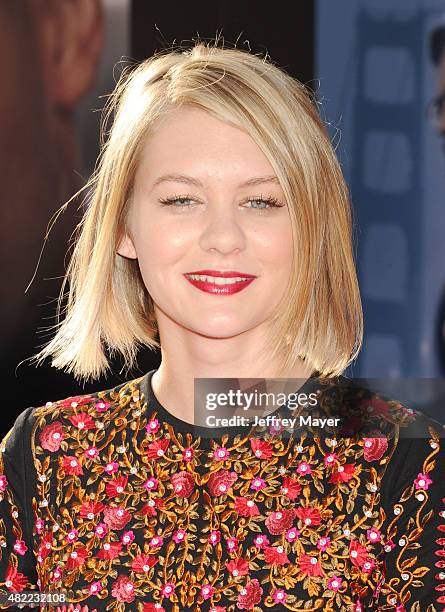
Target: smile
218,284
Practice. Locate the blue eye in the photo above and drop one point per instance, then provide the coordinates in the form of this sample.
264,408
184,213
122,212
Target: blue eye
269,202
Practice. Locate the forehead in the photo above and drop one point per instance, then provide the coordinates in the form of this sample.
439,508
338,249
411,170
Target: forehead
191,140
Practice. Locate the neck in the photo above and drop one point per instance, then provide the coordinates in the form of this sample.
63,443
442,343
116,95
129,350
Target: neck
187,356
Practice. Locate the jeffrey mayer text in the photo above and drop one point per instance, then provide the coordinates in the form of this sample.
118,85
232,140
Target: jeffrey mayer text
271,420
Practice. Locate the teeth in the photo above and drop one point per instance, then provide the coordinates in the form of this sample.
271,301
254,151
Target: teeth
217,280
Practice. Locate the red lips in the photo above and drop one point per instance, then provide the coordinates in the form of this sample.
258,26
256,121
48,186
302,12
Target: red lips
224,274
228,289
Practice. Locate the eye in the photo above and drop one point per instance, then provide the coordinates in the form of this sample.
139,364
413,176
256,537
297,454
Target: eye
173,200
270,202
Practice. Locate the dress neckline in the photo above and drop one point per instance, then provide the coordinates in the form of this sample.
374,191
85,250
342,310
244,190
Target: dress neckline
178,424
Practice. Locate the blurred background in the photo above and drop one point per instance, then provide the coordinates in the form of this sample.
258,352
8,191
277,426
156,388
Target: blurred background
378,75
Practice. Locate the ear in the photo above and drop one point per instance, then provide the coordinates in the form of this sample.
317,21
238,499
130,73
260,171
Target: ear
73,35
126,248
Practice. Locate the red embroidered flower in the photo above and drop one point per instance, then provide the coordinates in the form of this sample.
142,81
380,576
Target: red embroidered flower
324,543
375,405
220,482
188,453
123,589
101,530
309,516
343,473
157,448
152,607
15,581
148,509
214,536
3,484
116,518
76,400
91,509
422,481
127,537
91,452
238,567
45,547
261,541
368,565
152,426
109,550
250,595
221,453
257,484
330,459
304,468
357,553
102,406
291,487
116,486
275,555
261,448
183,483
71,465
207,591
292,534
156,541
232,544
143,563
20,547
246,507
374,448
373,535
334,583
179,536
83,420
51,436
95,587
168,589
111,467
77,557
279,521
310,565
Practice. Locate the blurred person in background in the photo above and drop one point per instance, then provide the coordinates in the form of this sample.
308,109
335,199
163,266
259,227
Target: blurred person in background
437,54
437,111
49,52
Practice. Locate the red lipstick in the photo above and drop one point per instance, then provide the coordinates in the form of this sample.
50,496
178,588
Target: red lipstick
220,288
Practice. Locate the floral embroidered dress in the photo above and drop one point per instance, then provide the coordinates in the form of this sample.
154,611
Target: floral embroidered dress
113,501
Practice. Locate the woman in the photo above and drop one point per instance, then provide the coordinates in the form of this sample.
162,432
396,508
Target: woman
219,222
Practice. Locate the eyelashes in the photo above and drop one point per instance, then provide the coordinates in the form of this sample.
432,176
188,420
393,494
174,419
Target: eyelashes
270,201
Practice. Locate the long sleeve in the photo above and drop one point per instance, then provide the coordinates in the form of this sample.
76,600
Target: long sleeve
414,499
17,482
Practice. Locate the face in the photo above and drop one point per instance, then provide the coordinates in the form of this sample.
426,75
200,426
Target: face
208,219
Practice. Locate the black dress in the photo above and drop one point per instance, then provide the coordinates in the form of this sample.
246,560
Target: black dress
109,502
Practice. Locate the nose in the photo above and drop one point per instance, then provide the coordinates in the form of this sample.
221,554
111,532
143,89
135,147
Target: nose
222,231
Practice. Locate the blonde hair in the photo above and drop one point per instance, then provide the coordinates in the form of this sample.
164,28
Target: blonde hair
108,307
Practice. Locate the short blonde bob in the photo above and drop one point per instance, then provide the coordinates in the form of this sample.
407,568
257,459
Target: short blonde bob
108,308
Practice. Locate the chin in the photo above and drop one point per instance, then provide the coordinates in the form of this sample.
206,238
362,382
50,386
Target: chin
218,330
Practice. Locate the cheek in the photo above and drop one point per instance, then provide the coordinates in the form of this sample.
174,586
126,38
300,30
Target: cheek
276,247
159,243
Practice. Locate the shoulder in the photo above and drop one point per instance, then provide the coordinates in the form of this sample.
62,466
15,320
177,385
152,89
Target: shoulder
365,409
47,425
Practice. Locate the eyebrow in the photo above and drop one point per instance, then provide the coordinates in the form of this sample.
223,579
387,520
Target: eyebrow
190,180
